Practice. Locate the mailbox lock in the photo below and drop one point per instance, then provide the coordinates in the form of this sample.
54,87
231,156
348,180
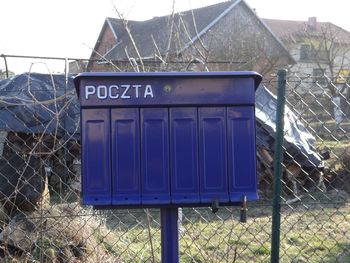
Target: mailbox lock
215,205
167,88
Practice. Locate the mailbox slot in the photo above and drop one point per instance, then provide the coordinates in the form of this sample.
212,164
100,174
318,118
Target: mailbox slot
96,165
184,155
125,173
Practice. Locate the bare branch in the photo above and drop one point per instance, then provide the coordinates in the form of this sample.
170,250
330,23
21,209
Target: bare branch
171,31
132,61
127,29
104,58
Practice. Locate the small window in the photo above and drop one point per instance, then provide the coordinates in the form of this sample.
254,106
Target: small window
305,52
318,76
309,53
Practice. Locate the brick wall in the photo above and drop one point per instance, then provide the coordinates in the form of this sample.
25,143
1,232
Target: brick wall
105,42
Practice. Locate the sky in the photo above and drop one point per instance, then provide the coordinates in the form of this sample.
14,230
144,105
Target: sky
69,28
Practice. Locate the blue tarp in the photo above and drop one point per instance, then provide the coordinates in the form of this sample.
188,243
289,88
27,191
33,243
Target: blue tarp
39,103
42,103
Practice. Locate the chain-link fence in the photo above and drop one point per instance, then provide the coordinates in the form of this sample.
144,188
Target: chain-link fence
42,219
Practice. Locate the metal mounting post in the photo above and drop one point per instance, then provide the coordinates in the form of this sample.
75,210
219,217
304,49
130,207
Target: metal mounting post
169,235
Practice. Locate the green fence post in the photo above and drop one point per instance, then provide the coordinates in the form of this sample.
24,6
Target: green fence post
277,166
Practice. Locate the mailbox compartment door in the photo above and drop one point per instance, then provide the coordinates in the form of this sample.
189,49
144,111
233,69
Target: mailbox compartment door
126,185
213,154
241,153
96,169
184,155
155,181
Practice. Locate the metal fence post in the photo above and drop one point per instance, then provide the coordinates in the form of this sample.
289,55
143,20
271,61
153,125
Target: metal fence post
6,67
276,206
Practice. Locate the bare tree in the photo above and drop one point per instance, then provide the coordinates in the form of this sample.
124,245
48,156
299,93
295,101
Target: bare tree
328,47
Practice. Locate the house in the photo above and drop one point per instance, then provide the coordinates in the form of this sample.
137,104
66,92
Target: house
77,66
321,50
224,36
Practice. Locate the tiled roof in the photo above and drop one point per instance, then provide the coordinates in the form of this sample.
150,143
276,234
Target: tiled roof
289,30
158,28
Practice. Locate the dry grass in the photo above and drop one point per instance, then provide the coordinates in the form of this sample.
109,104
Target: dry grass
61,233
318,229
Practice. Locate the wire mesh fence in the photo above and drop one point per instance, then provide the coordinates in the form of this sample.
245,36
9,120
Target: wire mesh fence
42,219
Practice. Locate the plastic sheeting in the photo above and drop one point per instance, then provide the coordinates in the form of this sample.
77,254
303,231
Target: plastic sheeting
42,103
298,141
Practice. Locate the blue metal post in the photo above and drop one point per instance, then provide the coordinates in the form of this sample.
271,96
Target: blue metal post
169,235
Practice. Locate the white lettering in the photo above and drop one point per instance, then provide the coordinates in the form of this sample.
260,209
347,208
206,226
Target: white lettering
136,90
124,91
116,96
102,92
148,91
124,96
89,90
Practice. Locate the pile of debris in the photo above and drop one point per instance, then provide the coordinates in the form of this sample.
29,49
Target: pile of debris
303,165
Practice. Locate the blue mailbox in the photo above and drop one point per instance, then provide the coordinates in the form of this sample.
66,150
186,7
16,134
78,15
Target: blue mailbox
167,139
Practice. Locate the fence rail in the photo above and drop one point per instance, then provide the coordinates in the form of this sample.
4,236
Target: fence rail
42,219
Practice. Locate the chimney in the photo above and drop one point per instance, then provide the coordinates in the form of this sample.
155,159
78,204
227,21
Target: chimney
312,23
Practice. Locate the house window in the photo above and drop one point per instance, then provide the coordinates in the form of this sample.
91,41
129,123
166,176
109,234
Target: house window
309,53
318,76
305,52
343,76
